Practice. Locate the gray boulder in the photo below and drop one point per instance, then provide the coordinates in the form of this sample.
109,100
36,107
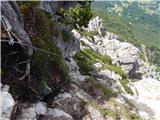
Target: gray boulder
57,114
7,104
146,98
32,111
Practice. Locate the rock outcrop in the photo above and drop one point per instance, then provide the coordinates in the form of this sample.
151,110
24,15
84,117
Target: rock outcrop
122,53
146,98
7,103
102,93
12,15
146,91
32,112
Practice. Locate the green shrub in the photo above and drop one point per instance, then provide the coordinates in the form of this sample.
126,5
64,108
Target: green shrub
141,56
125,86
157,69
86,58
104,111
103,58
133,116
88,34
78,15
66,36
47,67
117,70
83,43
106,90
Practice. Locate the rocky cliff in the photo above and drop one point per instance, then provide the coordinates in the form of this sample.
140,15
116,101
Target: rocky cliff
55,71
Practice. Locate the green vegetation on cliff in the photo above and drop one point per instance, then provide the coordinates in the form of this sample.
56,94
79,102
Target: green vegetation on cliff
97,89
78,15
47,68
86,58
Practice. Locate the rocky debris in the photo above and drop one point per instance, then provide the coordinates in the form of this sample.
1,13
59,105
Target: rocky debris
100,72
57,114
7,103
71,104
94,114
32,111
147,98
148,71
144,115
74,72
96,25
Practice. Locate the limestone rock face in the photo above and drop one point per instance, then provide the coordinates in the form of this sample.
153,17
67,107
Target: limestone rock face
147,98
54,6
13,17
69,48
96,25
7,104
148,70
74,71
104,73
122,53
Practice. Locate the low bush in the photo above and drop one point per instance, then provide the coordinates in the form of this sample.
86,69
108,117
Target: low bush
86,58
66,36
125,86
117,70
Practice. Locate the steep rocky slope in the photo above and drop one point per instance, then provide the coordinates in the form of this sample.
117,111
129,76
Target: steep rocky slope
93,77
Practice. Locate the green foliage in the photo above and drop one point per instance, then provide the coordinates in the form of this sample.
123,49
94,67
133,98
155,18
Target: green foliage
125,86
112,111
107,92
105,111
88,34
158,69
78,15
66,36
41,30
26,6
86,58
117,70
141,56
103,58
133,116
83,43
153,55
